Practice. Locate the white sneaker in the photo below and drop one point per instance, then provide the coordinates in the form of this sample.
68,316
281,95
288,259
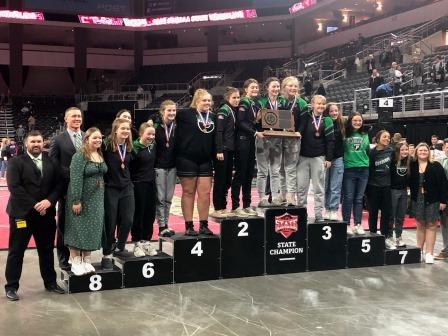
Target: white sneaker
277,201
349,230
138,250
327,214
220,214
390,244
429,258
333,216
77,266
148,249
358,230
290,200
264,202
400,242
88,266
250,211
240,213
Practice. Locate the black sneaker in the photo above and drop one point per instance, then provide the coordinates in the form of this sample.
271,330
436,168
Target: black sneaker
55,288
191,232
11,294
204,230
107,263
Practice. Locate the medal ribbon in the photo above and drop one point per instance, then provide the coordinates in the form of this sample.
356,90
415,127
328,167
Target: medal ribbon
293,104
317,123
122,154
204,122
273,106
233,114
168,131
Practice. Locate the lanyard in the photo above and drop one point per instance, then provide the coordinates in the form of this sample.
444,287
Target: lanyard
316,123
273,106
293,104
233,114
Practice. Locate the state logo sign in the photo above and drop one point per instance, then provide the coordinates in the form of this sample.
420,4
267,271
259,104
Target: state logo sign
286,224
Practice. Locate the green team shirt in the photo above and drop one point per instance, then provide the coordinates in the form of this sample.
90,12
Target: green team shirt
263,102
356,151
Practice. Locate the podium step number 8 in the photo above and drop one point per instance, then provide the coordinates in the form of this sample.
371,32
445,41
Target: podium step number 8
95,282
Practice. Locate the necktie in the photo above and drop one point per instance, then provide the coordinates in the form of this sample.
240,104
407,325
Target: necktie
38,164
78,141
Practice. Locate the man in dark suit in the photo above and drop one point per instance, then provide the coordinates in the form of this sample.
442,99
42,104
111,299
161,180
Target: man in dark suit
62,149
374,81
34,186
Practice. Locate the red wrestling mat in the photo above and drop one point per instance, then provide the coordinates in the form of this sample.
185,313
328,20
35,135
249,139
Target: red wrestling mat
176,219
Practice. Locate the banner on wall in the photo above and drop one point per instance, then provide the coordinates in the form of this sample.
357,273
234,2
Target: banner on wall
95,7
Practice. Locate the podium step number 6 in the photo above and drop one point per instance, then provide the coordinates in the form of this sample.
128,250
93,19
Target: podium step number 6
148,270
197,249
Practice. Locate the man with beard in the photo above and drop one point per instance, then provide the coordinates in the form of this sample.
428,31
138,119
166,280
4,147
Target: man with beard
34,186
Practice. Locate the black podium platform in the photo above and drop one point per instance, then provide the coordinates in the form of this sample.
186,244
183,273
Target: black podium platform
327,245
365,250
285,234
242,247
98,281
405,255
195,258
146,271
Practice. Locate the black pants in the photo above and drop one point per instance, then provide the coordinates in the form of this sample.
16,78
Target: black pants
379,198
222,180
43,229
244,171
118,215
145,211
62,250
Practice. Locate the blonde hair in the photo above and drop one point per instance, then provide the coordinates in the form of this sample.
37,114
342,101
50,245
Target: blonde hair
198,94
164,105
423,144
84,148
113,136
5,141
288,80
318,97
143,127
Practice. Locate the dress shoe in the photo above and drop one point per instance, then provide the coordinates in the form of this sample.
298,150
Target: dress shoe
64,265
11,294
55,288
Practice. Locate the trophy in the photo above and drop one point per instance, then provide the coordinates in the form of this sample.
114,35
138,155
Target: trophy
278,123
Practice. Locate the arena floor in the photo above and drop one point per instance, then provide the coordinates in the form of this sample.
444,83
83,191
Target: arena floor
390,300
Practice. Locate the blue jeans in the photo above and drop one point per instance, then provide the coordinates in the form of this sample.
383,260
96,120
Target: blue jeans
4,166
333,184
354,185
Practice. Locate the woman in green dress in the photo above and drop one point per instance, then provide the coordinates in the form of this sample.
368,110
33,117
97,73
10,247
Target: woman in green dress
85,203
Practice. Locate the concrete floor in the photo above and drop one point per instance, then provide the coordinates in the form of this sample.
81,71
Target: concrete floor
391,300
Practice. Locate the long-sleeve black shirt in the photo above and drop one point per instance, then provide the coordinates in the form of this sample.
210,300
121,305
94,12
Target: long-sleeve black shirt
142,165
246,119
225,129
116,177
321,145
165,155
194,141
380,164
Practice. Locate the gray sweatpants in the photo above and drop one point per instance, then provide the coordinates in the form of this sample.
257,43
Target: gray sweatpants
290,159
399,207
165,184
311,169
269,158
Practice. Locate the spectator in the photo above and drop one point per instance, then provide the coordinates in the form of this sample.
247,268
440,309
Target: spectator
321,90
374,81
384,90
5,151
438,71
31,123
152,89
444,215
20,134
396,139
385,58
397,81
370,64
392,69
308,86
434,139
358,64
417,74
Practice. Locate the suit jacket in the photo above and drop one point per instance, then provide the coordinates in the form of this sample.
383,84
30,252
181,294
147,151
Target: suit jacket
62,150
27,186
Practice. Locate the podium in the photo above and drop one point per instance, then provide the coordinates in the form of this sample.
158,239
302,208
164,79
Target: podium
400,256
195,258
365,250
98,281
242,247
327,246
285,234
146,271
